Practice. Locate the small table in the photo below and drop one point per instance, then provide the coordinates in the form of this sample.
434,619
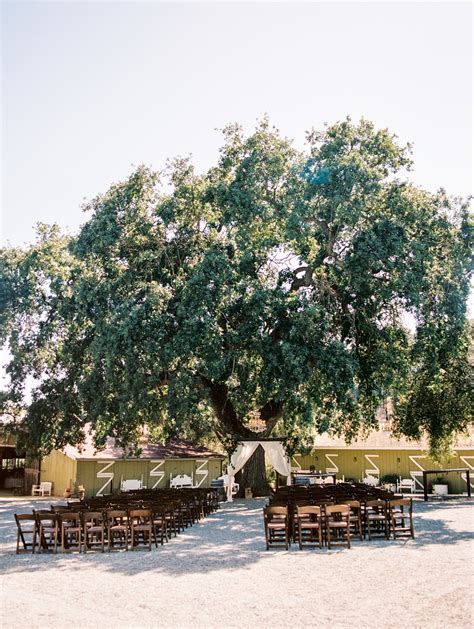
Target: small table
464,470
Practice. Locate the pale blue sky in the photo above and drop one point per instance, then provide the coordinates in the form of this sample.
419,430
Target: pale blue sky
91,88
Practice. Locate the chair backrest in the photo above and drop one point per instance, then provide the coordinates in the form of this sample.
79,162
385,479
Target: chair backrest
309,510
97,517
24,517
270,512
42,516
43,510
73,518
140,516
401,502
114,515
353,504
406,482
376,504
342,509
46,486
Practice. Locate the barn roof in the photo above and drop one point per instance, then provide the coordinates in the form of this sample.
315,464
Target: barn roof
174,449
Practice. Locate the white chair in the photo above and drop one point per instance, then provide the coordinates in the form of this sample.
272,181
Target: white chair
225,480
43,489
372,481
183,480
403,484
131,485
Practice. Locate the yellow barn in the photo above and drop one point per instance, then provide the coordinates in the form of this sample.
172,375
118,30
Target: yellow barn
381,454
103,472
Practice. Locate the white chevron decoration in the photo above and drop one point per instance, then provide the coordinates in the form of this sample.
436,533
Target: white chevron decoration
202,472
374,470
417,475
334,469
103,474
464,459
297,466
157,472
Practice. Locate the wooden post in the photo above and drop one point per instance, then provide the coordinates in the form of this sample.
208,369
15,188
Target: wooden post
468,483
425,486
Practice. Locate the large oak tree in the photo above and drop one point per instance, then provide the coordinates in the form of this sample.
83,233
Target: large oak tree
302,288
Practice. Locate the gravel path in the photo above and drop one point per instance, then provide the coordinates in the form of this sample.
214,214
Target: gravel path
218,574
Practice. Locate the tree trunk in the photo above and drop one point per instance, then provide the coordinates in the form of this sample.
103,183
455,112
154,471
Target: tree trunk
229,424
254,475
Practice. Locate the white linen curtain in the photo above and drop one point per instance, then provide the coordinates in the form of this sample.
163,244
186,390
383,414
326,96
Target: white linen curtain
276,456
238,459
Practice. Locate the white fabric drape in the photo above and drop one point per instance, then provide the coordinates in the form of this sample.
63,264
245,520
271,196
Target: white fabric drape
276,456
237,461
242,455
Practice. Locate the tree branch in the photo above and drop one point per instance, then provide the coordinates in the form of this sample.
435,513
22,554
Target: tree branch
300,282
224,409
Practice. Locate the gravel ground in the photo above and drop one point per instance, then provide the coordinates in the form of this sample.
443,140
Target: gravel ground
218,574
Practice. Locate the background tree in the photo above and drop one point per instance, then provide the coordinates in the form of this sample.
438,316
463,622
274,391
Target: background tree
277,284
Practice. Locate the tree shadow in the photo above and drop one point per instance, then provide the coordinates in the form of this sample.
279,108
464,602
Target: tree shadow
232,539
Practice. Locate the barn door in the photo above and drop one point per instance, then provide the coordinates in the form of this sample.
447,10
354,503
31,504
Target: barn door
104,477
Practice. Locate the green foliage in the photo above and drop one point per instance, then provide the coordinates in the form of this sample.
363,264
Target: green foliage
276,282
440,399
389,479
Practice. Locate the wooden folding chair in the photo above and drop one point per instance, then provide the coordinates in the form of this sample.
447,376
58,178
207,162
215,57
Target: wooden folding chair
309,524
118,529
376,519
141,527
401,520
26,526
71,531
159,523
338,523
170,518
47,524
277,528
293,516
355,517
93,526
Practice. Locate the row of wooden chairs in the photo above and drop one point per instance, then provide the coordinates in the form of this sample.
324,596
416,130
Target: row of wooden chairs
194,502
329,523
351,491
357,495
88,529
116,521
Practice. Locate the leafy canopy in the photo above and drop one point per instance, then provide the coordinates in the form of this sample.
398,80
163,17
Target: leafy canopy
277,284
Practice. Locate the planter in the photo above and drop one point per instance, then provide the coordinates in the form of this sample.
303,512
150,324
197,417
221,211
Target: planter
440,490
390,487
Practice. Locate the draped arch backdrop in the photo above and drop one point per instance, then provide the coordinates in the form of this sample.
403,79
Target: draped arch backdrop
273,449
